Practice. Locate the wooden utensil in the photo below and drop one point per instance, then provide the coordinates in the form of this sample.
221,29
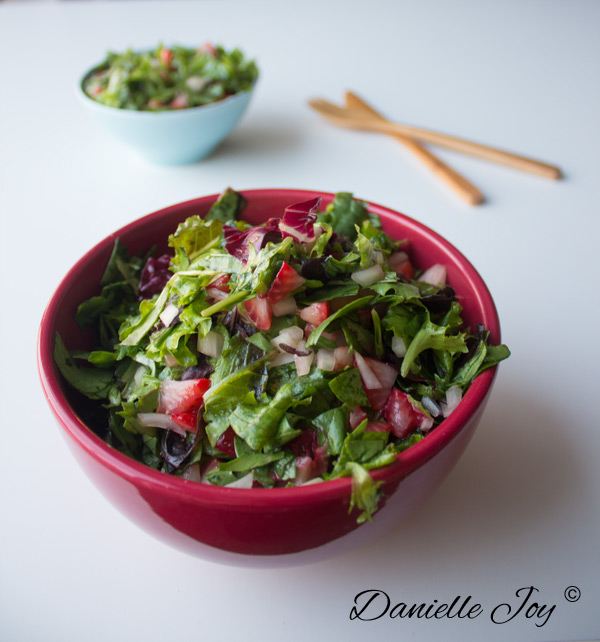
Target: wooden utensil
358,119
465,189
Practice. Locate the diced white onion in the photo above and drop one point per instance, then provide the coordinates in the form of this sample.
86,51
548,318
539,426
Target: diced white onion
192,473
168,314
426,424
368,377
303,364
435,275
285,306
170,361
137,377
325,360
343,357
196,83
280,359
453,398
215,294
243,482
290,336
430,406
159,420
397,259
212,344
398,347
368,276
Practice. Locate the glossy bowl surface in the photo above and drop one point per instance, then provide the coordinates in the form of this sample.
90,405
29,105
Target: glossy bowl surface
260,526
174,137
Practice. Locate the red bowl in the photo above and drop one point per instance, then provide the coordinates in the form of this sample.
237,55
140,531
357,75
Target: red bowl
228,524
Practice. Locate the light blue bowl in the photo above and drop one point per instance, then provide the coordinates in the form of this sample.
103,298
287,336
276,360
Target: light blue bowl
174,137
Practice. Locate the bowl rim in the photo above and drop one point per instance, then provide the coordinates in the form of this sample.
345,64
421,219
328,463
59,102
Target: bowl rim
139,113
276,498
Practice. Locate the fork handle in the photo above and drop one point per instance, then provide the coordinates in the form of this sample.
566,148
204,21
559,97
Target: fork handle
458,183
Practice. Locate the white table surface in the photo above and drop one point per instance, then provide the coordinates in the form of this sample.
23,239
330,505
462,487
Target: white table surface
522,508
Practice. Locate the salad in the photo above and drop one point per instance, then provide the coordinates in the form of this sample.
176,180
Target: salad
170,78
301,350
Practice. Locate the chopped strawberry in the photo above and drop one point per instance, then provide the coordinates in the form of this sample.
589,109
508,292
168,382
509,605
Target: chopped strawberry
377,378
180,101
286,281
181,396
226,442
187,420
378,426
221,283
400,263
311,459
154,104
357,416
260,312
315,313
166,55
402,415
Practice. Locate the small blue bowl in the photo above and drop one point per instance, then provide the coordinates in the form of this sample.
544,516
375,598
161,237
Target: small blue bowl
174,137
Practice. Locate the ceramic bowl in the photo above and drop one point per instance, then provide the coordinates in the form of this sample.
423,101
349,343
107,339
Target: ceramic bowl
173,137
260,527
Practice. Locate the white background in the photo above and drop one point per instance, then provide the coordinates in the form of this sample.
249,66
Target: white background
522,507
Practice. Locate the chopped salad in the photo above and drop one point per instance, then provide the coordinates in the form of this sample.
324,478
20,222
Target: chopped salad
301,350
170,78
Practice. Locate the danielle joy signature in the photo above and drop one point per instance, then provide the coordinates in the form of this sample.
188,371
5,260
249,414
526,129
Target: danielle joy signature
374,604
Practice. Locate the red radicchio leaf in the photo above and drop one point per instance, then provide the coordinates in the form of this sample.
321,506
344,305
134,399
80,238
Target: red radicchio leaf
236,241
154,276
298,220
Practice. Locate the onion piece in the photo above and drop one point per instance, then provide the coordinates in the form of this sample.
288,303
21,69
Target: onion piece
212,344
287,305
453,398
192,473
343,357
326,360
435,275
243,482
369,378
368,276
216,294
280,359
168,315
170,361
303,364
398,347
432,408
160,420
290,336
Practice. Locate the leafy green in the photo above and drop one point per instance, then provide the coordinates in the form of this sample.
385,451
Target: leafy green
227,207
344,213
93,383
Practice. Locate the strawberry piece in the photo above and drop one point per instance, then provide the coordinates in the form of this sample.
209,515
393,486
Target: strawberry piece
286,281
181,396
260,312
221,283
187,420
357,416
166,55
401,414
315,313
400,263
377,378
226,443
